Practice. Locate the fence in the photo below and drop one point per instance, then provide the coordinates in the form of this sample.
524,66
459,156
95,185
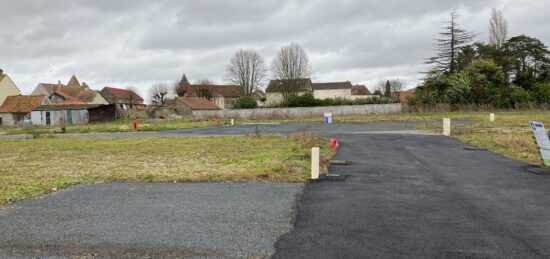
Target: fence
303,112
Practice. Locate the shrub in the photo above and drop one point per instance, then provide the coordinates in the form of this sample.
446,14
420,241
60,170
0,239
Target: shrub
305,100
308,100
519,96
245,102
540,93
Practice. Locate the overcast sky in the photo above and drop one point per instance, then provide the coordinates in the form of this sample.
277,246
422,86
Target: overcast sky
142,42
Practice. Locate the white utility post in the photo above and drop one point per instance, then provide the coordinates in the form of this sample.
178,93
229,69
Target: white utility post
232,122
447,127
315,163
492,117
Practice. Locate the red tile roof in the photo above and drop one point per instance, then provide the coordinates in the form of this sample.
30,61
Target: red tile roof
122,93
404,95
360,90
21,103
195,103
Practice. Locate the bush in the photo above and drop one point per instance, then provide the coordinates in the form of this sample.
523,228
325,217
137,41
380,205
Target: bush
308,100
540,93
519,96
245,102
305,100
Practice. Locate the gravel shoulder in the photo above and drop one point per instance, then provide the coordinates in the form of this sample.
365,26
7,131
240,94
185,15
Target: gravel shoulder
128,220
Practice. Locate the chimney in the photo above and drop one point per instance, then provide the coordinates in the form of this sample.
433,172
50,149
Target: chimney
58,82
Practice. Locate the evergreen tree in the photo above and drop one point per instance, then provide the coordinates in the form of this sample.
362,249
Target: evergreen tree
449,46
387,90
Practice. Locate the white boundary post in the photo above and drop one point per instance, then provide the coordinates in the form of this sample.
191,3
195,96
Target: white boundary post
446,127
315,163
492,117
232,122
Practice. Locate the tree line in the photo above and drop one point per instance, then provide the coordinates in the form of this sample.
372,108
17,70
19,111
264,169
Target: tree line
248,70
506,72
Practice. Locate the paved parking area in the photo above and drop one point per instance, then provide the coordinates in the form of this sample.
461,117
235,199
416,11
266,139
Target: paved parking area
128,220
413,196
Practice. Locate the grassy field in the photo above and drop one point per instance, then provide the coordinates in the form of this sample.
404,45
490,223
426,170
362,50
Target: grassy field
119,125
36,166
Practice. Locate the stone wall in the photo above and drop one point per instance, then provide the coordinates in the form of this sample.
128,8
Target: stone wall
281,113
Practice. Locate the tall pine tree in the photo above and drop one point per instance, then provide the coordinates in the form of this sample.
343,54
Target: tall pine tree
449,45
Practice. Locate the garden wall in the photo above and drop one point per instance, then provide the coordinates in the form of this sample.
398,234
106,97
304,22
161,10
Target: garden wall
303,112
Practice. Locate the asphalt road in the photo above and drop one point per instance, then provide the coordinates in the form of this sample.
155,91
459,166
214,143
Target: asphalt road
421,196
123,220
275,128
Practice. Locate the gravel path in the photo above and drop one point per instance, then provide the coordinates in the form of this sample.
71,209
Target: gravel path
127,220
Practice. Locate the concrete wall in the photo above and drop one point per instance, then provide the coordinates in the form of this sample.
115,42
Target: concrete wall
279,113
7,120
60,117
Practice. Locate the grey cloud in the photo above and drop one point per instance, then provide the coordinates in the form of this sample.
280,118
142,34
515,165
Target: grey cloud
141,42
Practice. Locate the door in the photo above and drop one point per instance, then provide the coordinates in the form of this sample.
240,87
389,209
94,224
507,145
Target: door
48,118
69,117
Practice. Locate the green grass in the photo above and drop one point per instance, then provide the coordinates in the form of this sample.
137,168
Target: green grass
117,126
35,166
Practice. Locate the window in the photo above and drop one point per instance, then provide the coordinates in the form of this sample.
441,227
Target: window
0,121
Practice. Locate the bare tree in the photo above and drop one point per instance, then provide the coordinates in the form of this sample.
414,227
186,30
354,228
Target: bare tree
204,89
131,98
380,87
290,65
498,29
396,87
180,88
159,93
449,45
246,69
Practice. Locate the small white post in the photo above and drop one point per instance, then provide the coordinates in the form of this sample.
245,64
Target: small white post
315,163
446,126
492,117
232,122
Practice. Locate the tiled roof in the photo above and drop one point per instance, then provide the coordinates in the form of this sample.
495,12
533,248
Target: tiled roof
122,93
215,90
21,103
195,103
73,82
68,98
332,85
360,90
276,86
404,95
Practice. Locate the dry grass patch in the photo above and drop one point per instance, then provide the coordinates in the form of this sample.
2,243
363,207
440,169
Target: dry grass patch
35,166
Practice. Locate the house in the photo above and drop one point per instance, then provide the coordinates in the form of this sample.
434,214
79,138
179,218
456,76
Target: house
121,96
403,96
332,90
260,98
7,87
62,114
224,96
185,105
360,91
276,88
82,92
16,110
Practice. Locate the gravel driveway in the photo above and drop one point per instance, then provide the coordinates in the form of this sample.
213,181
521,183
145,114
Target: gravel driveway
198,220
